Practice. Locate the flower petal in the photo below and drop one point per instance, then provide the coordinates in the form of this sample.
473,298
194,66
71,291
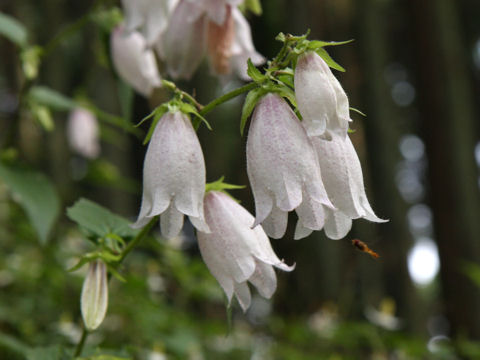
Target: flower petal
264,279
171,222
275,224
337,224
242,292
301,231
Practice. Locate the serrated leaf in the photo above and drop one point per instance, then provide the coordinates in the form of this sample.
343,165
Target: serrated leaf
37,196
99,220
253,72
315,44
46,96
254,6
327,58
13,30
250,101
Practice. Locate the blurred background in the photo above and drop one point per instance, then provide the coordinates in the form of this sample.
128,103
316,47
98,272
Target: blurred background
413,69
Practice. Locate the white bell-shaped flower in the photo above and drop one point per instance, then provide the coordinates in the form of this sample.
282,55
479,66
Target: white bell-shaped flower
83,133
134,61
94,298
149,17
343,179
235,252
320,98
283,170
173,176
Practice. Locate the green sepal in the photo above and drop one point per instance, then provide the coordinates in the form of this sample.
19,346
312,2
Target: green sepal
254,73
316,44
116,274
219,185
328,59
30,58
250,101
157,115
286,92
190,109
358,111
254,6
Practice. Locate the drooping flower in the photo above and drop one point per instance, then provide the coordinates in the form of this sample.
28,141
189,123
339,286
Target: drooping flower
320,98
94,298
343,179
83,133
283,170
149,17
134,61
212,27
173,176
234,252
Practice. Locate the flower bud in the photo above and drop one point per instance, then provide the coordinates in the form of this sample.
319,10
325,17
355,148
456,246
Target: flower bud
94,299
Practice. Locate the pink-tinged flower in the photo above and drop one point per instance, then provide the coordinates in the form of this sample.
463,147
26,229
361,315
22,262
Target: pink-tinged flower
83,133
94,298
149,17
236,253
283,170
173,176
320,98
212,27
134,61
343,179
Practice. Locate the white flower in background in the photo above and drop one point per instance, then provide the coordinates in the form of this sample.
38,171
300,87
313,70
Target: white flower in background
343,179
173,176
183,45
134,61
213,27
234,252
283,170
242,47
83,133
149,17
94,298
320,98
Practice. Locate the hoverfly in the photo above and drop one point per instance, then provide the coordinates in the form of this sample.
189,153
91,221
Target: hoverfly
360,245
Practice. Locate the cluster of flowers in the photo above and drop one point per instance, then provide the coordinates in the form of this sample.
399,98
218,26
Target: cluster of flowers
181,33
309,166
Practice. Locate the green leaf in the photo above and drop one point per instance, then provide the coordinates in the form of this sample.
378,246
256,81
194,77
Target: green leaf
13,30
51,98
330,62
31,61
99,220
254,73
254,6
55,352
250,101
36,194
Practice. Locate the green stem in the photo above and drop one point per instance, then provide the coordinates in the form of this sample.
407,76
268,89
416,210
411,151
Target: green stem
131,245
81,343
228,96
